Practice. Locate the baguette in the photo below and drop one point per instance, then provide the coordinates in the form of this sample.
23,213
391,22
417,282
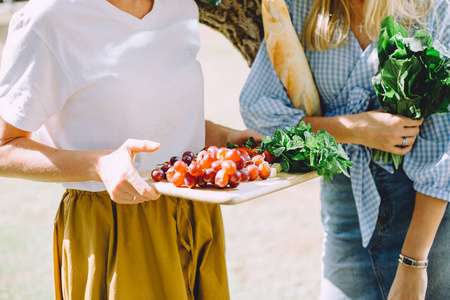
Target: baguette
288,57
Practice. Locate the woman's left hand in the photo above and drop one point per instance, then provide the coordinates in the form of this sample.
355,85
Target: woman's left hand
240,137
409,284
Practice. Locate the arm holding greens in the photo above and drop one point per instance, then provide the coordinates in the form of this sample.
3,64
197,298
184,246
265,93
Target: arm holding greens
265,106
428,166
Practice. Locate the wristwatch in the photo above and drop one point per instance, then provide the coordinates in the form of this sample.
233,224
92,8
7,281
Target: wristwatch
411,262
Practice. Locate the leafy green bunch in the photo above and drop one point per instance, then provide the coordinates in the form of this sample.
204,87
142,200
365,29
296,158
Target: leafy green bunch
300,150
413,79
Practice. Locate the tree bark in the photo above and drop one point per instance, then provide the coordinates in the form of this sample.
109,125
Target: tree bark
239,21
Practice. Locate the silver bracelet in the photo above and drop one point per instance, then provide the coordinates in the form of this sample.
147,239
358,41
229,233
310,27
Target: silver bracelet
413,263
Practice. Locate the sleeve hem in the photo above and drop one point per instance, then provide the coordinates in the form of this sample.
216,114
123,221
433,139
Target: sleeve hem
433,192
298,118
19,121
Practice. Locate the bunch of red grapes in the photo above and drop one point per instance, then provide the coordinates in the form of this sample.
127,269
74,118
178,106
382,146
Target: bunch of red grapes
221,167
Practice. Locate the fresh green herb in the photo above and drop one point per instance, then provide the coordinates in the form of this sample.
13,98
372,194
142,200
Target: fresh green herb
214,2
298,149
413,79
250,144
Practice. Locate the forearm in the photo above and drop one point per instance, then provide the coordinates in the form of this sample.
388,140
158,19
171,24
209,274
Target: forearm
28,159
216,135
427,216
219,135
342,128
373,129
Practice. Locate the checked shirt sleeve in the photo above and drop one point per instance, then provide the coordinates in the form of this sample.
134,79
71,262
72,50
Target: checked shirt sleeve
264,103
428,164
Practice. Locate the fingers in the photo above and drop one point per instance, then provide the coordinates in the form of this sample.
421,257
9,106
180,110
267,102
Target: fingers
402,145
126,198
403,136
143,190
135,146
406,141
407,122
133,191
120,176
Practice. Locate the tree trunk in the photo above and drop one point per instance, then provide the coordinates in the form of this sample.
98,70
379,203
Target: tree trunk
239,21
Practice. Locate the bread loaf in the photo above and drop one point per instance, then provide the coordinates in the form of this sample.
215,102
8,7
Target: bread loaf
288,57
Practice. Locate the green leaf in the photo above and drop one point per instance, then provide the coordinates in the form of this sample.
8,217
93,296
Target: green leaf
295,143
278,151
298,156
393,28
285,165
343,168
250,143
280,137
214,2
311,142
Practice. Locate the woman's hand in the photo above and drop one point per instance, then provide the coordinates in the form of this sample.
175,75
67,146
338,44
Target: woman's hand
240,137
380,130
118,173
409,284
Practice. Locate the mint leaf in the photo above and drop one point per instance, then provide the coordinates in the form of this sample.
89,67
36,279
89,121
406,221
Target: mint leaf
278,151
300,150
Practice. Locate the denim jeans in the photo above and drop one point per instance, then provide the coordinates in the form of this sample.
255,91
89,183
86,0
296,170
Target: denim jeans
353,272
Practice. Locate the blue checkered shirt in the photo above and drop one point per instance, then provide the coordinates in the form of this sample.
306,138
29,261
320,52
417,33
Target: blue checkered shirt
344,80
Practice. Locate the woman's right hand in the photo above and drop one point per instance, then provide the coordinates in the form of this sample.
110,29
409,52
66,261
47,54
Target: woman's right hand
380,130
118,173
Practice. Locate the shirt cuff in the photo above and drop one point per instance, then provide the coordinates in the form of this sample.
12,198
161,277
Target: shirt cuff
438,193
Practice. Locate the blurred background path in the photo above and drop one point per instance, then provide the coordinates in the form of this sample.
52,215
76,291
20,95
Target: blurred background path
273,242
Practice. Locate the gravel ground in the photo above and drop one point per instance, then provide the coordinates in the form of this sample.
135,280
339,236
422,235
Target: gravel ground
273,242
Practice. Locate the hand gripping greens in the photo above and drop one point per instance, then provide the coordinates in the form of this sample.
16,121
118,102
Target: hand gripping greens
413,78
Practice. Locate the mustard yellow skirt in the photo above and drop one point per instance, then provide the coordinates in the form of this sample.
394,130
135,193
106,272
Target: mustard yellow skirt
168,249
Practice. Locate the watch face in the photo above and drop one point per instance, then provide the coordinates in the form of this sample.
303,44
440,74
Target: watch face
412,262
408,262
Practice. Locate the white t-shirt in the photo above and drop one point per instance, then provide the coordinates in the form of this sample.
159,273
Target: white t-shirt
89,76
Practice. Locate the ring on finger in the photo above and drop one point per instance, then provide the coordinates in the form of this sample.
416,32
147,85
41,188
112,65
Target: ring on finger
404,142
134,199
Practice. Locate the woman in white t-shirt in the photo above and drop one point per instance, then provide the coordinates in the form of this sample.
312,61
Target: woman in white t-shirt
95,75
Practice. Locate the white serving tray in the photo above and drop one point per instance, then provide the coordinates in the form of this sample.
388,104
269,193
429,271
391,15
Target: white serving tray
228,196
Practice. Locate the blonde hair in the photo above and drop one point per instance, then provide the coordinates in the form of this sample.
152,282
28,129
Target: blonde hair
328,22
